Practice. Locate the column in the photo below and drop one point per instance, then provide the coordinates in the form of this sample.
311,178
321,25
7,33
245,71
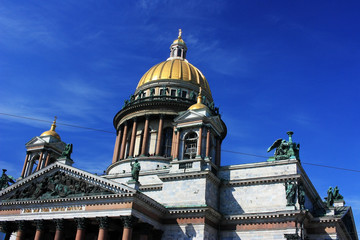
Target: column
177,144
40,161
39,229
25,163
81,226
198,154
159,136
59,225
173,143
47,159
207,144
117,147
128,222
146,136
123,142
103,228
218,152
132,141
20,230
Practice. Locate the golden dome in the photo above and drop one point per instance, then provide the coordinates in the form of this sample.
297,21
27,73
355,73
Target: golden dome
52,132
175,69
199,104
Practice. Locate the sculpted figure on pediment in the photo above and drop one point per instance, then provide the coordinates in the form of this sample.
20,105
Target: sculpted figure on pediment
58,185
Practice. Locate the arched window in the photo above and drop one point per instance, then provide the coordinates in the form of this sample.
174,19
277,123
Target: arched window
190,145
166,142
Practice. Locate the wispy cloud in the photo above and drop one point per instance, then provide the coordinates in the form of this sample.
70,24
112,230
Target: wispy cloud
21,30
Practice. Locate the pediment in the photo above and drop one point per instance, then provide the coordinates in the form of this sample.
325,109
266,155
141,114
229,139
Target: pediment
61,181
189,114
35,141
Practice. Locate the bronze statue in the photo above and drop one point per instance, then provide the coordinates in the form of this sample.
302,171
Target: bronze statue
301,196
337,195
5,180
285,149
152,92
67,151
290,189
135,170
330,197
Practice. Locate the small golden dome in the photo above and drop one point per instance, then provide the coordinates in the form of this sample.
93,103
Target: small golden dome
199,104
52,132
175,69
179,41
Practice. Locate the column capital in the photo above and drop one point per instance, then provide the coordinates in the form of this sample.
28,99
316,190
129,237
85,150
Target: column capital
147,117
40,224
20,225
161,116
103,222
59,224
81,223
129,221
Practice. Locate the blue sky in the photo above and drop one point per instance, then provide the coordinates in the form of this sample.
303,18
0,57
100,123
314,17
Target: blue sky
273,66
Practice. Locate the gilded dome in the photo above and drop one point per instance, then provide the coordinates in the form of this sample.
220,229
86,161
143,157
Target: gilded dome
52,132
175,69
198,104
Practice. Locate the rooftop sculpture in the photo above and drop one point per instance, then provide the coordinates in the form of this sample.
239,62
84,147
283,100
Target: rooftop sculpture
285,149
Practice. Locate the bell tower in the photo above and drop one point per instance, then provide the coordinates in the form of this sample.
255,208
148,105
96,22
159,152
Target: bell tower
42,151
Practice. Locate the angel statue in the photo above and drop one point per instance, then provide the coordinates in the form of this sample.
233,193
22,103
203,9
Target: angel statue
67,151
285,149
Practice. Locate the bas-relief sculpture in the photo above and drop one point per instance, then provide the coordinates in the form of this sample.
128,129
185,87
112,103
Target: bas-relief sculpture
57,185
285,149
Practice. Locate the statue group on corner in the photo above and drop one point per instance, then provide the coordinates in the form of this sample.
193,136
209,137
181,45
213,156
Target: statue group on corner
285,149
333,195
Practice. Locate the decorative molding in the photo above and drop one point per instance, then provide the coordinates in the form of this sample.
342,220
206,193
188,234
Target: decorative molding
263,180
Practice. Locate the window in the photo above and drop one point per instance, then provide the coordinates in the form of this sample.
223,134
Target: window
173,92
183,94
190,145
167,142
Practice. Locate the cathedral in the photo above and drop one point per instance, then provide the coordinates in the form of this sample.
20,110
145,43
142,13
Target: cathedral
165,180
